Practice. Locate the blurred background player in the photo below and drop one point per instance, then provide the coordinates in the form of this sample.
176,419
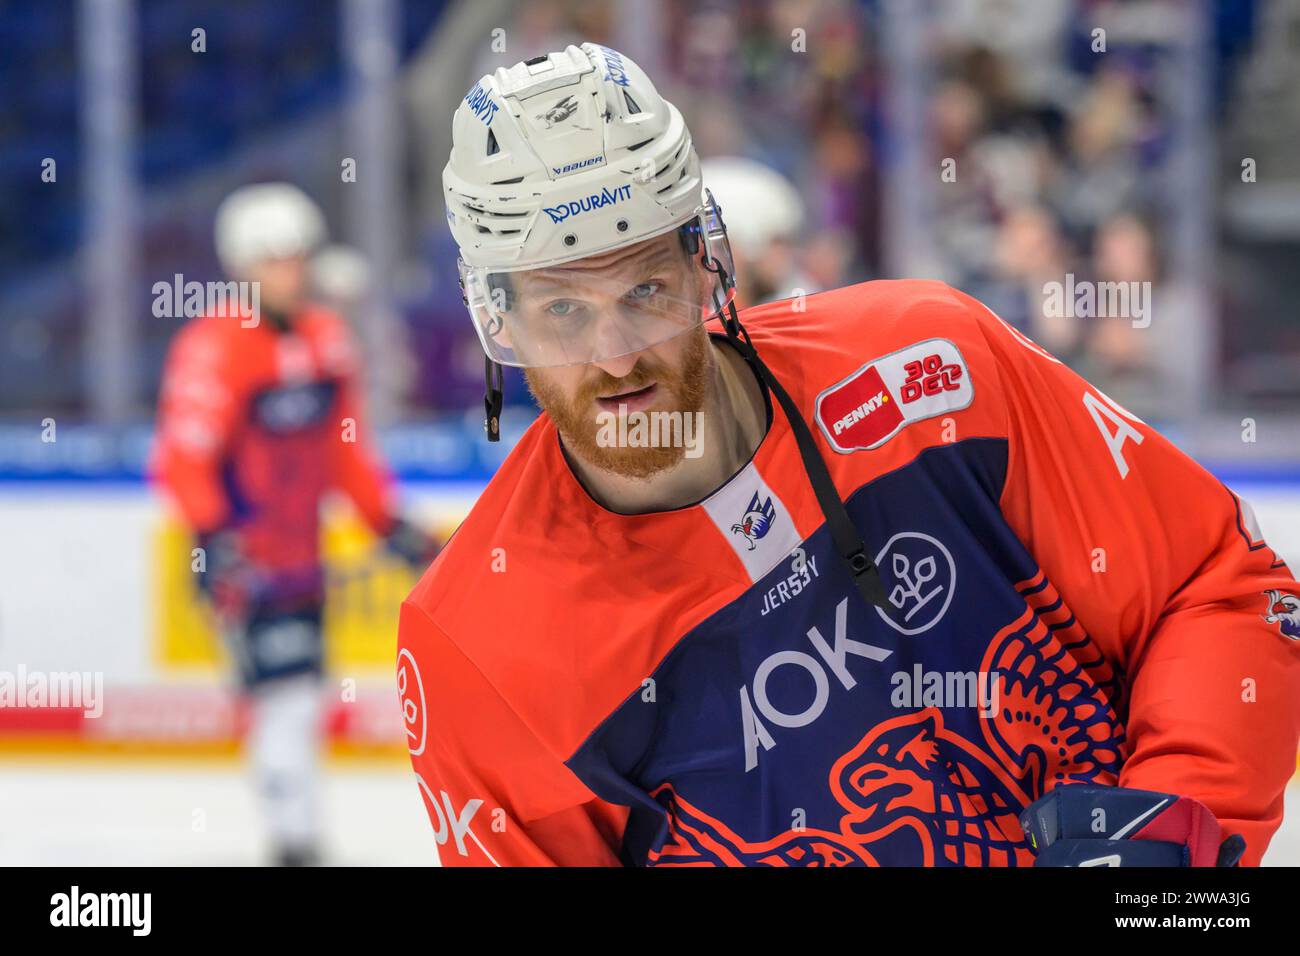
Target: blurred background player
259,418
765,217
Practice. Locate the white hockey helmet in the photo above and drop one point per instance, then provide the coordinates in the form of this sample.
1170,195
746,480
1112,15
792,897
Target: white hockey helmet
266,221
762,205
560,158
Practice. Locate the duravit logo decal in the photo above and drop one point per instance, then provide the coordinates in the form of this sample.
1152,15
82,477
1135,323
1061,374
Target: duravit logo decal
481,104
606,197
615,71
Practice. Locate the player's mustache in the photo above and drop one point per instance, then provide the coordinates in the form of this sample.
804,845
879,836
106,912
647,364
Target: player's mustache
638,378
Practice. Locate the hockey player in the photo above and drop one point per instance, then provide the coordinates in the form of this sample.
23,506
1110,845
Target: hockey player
258,420
912,592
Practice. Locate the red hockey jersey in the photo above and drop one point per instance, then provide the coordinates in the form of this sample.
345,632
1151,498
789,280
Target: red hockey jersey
256,425
1073,601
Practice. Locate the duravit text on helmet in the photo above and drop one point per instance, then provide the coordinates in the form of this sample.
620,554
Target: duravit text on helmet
481,104
614,70
606,197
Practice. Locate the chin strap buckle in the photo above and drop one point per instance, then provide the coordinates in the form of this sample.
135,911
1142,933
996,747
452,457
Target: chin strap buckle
866,576
493,400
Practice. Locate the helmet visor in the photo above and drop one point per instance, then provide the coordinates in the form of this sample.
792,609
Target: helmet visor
612,304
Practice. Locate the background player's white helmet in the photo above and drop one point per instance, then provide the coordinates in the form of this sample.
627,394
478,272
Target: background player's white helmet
762,205
266,221
563,157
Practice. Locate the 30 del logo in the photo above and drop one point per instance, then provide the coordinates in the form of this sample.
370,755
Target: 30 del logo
873,404
930,376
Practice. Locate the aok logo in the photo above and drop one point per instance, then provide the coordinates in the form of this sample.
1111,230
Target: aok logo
410,690
757,706
929,376
450,823
923,576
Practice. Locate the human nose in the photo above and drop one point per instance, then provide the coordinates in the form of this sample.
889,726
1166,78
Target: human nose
619,366
610,338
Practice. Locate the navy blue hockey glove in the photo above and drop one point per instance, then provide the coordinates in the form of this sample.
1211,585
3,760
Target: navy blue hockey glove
412,544
222,564
1080,825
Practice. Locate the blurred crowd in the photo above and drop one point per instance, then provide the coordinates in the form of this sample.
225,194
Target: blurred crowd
1064,164
1059,158
1062,161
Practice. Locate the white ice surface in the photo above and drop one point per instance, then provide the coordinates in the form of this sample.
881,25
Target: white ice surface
153,814
149,814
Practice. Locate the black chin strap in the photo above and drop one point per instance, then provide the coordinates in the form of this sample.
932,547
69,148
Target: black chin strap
848,542
493,399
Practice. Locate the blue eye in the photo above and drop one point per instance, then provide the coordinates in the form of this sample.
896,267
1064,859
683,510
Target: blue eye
561,308
644,290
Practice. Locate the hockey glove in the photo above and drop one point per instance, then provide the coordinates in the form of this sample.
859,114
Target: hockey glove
222,570
412,544
1081,825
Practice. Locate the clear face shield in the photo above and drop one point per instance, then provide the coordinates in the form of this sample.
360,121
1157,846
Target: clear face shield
612,304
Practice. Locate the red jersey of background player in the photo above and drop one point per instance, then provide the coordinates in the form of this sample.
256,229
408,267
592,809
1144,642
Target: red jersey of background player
257,423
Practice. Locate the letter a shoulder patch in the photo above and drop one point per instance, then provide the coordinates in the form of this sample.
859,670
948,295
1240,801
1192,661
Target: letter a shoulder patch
873,404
